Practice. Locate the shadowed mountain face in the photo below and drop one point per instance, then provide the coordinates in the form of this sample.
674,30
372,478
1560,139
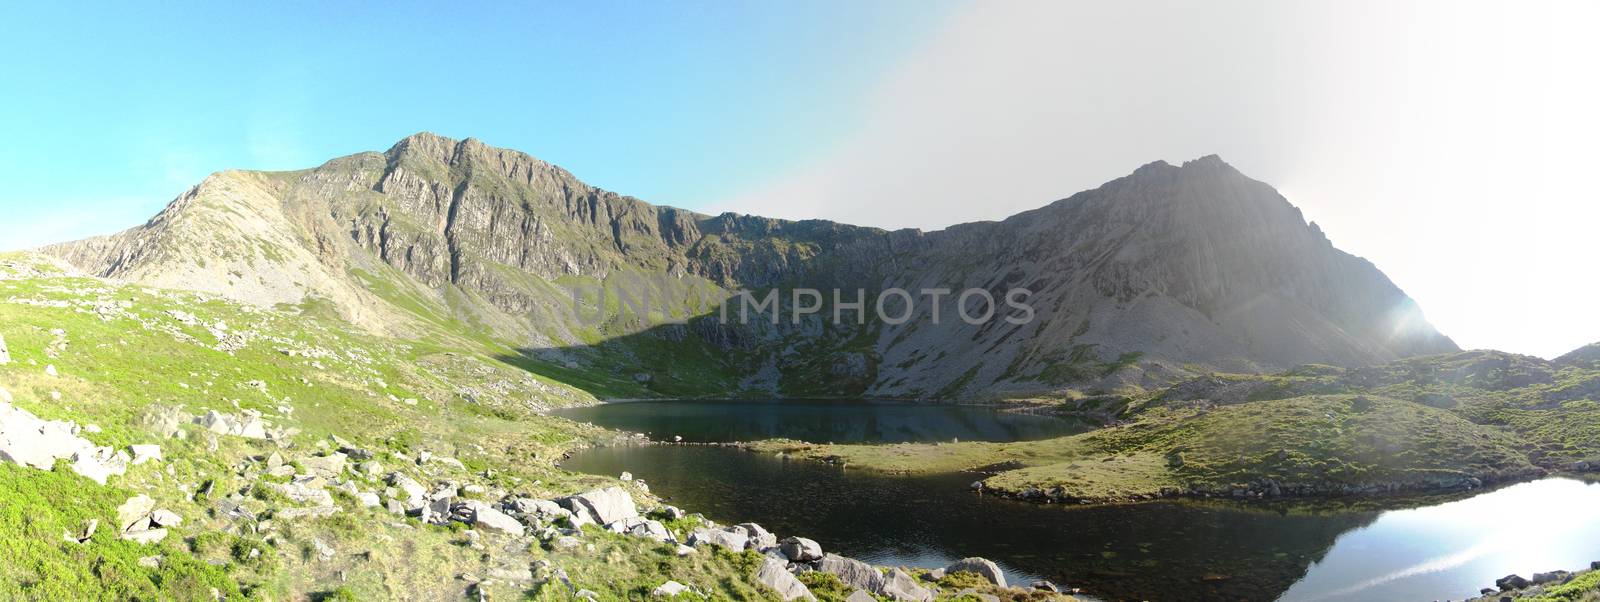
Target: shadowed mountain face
1149,278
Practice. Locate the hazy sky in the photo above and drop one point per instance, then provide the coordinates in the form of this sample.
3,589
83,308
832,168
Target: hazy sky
1450,142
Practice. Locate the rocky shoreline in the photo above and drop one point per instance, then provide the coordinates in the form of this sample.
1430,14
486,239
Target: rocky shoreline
1557,586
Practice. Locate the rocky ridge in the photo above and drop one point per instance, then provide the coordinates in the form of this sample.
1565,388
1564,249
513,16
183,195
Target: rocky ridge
1136,283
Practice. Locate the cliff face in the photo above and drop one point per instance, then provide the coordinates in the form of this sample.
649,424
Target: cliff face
1140,281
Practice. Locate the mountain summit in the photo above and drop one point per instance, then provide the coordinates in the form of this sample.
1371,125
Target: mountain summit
1149,278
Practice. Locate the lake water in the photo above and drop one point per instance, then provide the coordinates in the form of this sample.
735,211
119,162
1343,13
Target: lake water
1342,551
820,421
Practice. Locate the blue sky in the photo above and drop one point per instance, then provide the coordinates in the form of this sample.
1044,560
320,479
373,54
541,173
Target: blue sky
1447,141
107,118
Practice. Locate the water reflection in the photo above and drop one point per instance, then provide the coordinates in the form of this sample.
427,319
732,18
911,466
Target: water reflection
821,421
1453,549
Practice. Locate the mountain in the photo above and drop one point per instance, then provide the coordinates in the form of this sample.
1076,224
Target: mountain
1154,277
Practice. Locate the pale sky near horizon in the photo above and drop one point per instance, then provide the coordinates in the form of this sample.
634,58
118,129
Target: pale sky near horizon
1451,143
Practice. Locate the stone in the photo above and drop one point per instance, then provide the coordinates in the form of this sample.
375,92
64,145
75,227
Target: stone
566,542
137,508
370,468
860,596
727,538
852,572
1510,582
369,499
1550,577
150,562
325,552
85,531
603,506
27,440
669,589
413,494
50,370
800,549
760,538
670,512
683,550
979,566
774,574
165,518
304,492
901,586
480,514
626,476
1047,586
327,467
216,422
100,463
145,453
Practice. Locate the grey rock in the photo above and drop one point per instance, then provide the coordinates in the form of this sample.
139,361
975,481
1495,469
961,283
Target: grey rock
669,589
800,549
860,596
327,467
760,538
980,566
131,512
901,586
853,573
602,506
728,538
1511,582
775,574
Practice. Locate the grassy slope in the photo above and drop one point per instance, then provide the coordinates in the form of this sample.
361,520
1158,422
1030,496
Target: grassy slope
1325,441
121,356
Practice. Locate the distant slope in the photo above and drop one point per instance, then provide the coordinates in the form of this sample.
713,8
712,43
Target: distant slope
1147,279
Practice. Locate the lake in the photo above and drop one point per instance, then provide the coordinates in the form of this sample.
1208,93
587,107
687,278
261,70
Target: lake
1341,551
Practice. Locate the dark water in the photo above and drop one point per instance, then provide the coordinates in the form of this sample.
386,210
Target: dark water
820,421
1165,551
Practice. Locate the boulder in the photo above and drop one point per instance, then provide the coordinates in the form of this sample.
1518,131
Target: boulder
860,596
135,512
669,589
979,566
727,538
412,494
304,491
852,572
165,518
603,506
800,549
85,531
27,440
327,467
1511,582
901,586
144,453
480,514
774,574
99,463
760,539
1550,577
